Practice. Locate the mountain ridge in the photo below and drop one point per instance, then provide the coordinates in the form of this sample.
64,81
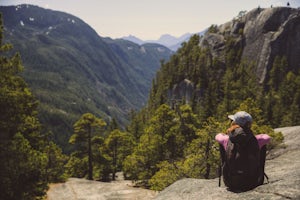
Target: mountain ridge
167,40
72,70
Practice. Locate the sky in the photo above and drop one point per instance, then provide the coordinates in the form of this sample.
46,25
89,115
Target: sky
149,19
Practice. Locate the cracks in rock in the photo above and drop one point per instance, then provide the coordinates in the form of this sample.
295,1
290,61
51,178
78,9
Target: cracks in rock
73,191
275,193
282,195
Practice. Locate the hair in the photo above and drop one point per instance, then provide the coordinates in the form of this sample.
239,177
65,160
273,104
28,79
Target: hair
232,127
248,125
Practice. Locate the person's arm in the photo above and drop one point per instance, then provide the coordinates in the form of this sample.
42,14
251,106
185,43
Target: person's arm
263,139
222,139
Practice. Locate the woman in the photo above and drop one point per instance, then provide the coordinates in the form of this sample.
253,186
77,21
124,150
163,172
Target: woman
242,157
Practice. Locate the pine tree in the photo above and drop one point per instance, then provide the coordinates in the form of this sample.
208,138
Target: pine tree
25,168
84,131
119,145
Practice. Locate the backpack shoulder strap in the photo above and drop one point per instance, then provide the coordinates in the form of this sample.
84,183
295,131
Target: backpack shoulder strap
266,176
263,151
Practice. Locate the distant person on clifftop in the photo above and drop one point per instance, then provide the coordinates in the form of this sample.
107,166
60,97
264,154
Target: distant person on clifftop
242,154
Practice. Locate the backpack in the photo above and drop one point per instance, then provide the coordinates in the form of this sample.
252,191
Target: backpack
242,162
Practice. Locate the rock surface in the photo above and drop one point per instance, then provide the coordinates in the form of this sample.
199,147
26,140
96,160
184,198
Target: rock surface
75,189
283,170
262,34
282,167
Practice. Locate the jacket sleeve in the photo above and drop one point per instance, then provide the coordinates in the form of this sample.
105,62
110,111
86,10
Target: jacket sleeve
262,139
222,139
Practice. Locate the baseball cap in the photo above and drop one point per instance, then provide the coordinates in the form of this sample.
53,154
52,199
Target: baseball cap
241,118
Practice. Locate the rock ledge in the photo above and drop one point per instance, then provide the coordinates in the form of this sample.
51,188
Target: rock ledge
283,171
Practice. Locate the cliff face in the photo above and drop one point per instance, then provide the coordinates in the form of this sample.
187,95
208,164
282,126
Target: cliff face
262,34
282,167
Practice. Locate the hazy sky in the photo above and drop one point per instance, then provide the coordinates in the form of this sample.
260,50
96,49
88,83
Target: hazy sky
149,19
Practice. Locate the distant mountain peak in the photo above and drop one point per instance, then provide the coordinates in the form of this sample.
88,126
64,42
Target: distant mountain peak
167,40
134,39
167,37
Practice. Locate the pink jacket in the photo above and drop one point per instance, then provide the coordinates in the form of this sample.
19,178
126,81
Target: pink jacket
262,139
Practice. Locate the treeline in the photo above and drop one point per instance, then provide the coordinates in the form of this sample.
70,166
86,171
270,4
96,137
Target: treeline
29,160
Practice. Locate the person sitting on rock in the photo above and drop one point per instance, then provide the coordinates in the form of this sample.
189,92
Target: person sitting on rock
242,154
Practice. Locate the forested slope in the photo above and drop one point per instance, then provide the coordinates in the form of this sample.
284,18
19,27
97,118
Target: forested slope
72,70
248,64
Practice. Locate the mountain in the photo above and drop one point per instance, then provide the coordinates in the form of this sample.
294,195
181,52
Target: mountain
134,39
72,70
184,38
167,40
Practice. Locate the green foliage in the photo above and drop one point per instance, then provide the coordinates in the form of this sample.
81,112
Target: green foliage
251,106
281,100
55,169
98,154
77,167
259,125
118,145
213,29
141,164
177,141
174,146
85,130
168,173
22,171
28,160
136,126
102,161
203,153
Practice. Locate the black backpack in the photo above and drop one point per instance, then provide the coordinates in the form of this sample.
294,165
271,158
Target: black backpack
242,164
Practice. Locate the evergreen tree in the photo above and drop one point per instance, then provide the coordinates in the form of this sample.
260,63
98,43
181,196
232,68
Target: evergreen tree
84,131
153,146
119,145
25,154
136,126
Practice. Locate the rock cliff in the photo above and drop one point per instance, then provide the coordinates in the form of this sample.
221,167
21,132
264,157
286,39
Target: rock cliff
262,34
282,167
